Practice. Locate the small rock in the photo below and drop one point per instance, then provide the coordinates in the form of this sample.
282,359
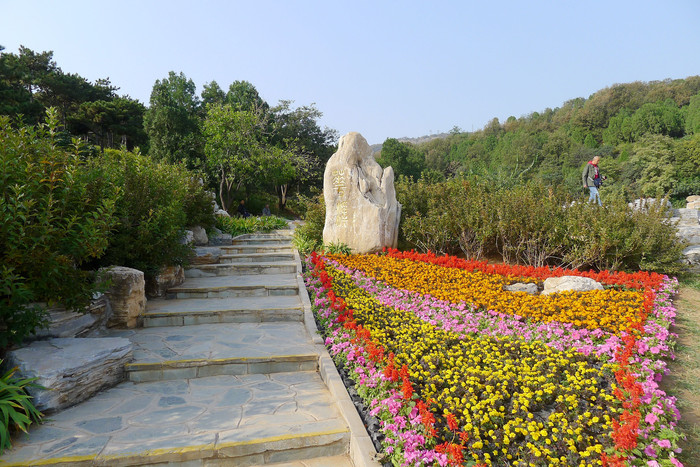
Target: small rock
200,236
570,283
522,287
187,238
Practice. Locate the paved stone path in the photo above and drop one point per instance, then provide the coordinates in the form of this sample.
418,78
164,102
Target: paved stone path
228,371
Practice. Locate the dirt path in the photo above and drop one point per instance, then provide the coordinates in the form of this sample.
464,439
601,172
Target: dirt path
684,379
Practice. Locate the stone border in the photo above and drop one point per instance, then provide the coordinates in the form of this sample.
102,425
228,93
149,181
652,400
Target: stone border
362,451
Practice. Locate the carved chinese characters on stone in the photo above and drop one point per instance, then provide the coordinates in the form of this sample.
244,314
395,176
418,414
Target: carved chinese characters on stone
361,207
340,185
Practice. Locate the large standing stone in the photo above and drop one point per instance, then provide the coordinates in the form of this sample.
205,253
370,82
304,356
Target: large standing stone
71,369
127,296
570,283
361,207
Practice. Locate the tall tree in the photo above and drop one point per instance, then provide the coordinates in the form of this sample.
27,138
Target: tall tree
233,148
212,94
242,95
404,158
172,122
297,130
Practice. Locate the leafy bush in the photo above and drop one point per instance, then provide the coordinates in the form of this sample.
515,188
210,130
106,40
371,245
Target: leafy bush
239,225
152,211
309,236
618,237
16,407
198,204
529,224
55,216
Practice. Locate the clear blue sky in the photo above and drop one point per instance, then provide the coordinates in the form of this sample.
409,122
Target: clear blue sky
383,68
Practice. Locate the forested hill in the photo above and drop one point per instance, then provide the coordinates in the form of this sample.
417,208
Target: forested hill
647,134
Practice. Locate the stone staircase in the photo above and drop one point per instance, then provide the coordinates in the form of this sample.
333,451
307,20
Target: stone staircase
228,370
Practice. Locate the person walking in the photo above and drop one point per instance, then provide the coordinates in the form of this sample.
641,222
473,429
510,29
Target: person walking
593,180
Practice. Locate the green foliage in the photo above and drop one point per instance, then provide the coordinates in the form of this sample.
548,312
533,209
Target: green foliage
535,225
692,116
239,225
336,248
55,216
309,236
16,407
172,121
618,237
234,149
31,82
402,157
152,211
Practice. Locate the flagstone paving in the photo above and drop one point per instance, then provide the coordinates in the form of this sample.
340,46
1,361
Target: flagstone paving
227,373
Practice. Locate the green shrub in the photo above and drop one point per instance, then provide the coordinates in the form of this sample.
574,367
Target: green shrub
198,204
447,217
55,216
309,236
618,237
239,225
152,211
530,224
16,407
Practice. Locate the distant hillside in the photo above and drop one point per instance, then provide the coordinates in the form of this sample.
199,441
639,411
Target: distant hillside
647,135
419,140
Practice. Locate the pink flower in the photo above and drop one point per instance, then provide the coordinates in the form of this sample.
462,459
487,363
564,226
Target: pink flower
663,443
651,418
651,452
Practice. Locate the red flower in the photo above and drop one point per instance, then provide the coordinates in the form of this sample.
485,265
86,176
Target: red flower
452,422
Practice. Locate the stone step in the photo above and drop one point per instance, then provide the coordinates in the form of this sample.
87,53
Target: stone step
221,420
236,286
335,461
261,242
241,269
183,352
257,258
255,248
277,234
222,310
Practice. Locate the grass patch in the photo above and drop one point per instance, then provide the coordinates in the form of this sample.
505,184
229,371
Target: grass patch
239,225
684,378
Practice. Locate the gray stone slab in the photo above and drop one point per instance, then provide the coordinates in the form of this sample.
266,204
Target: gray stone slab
187,421
257,257
222,304
214,342
208,283
239,269
71,369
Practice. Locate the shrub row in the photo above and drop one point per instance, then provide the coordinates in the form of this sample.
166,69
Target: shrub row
535,225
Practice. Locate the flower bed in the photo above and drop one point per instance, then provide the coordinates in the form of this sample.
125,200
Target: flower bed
460,372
